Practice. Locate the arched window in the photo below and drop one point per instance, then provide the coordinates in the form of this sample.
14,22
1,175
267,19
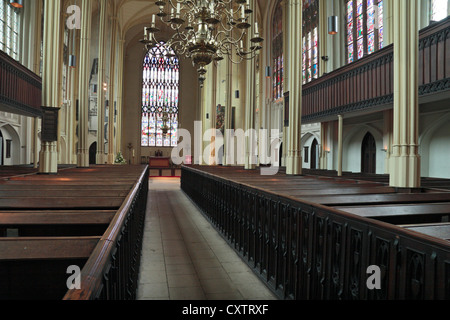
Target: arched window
439,9
310,40
9,29
364,28
277,53
161,73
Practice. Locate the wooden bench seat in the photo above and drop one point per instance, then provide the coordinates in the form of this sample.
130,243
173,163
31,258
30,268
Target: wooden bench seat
55,217
47,248
60,203
373,199
339,191
439,230
402,213
46,193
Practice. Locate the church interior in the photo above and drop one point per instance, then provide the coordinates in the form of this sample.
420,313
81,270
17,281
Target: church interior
224,149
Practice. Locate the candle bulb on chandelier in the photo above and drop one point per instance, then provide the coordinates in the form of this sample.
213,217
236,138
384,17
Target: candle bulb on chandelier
153,21
256,28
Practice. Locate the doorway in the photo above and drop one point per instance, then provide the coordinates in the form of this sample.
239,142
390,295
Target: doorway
314,154
93,153
368,154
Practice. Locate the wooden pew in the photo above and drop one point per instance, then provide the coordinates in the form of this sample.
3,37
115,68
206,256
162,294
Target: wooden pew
36,268
56,221
402,213
437,230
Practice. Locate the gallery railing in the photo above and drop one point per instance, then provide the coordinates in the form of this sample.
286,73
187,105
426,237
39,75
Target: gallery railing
20,88
306,251
111,272
369,82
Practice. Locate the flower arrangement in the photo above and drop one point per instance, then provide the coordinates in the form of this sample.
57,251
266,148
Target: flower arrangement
119,159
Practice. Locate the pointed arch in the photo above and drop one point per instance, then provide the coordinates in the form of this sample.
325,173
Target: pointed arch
369,154
160,95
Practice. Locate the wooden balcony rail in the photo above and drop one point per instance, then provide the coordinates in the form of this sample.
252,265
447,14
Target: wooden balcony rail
112,269
307,251
369,82
20,88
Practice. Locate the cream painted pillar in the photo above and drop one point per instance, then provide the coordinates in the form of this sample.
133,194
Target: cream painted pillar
388,10
323,145
112,72
120,62
101,79
228,159
387,137
340,144
84,74
294,64
405,159
36,68
250,139
48,157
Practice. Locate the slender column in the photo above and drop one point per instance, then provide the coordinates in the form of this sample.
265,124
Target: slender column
250,139
294,159
112,73
120,63
227,155
340,143
323,145
48,158
36,68
405,159
83,124
101,80
387,138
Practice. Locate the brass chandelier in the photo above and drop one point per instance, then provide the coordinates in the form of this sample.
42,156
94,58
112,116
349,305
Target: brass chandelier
206,31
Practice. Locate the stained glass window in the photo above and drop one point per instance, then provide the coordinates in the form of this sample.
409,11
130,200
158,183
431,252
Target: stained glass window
9,29
310,40
364,24
277,53
161,74
439,9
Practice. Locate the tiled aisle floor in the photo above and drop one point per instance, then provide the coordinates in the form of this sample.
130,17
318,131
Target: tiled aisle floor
184,258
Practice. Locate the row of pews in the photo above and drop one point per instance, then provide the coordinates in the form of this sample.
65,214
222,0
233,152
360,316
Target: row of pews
313,236
90,219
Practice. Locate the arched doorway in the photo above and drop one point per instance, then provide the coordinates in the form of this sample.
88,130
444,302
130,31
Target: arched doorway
368,154
314,154
93,153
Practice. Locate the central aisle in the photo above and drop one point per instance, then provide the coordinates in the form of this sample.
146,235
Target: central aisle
184,258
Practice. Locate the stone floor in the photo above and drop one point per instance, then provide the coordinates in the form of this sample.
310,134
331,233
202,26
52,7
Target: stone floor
184,258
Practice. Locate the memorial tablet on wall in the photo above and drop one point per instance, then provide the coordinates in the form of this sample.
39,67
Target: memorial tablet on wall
49,124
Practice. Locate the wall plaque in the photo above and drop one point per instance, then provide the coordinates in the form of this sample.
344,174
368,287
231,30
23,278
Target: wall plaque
49,131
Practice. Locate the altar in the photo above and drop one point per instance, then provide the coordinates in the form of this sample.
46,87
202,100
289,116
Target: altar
159,162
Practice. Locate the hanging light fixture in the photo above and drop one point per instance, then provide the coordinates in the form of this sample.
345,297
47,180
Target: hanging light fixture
16,3
206,31
333,23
